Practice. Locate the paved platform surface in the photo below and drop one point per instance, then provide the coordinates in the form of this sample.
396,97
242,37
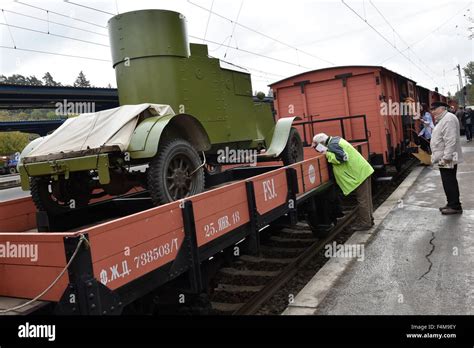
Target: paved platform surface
12,193
416,262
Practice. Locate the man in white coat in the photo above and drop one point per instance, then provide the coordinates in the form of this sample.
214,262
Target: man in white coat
446,152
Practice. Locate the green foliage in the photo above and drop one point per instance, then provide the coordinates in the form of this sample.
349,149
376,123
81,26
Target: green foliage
36,115
11,142
28,115
260,95
81,81
33,81
17,79
51,115
49,81
469,72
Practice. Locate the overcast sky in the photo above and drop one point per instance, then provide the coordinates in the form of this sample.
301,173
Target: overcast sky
437,32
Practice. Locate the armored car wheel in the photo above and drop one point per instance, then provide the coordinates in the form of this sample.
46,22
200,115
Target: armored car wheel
60,196
175,173
293,151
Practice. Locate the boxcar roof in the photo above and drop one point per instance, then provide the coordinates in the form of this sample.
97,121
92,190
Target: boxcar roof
377,67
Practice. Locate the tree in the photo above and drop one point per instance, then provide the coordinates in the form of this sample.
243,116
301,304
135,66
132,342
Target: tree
81,81
51,115
17,79
49,81
36,115
470,95
260,95
469,72
469,88
33,81
4,115
11,142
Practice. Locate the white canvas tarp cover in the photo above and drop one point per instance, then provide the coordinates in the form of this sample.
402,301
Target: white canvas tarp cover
112,127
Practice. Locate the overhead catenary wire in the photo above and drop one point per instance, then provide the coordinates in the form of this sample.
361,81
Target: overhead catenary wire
249,52
106,60
89,8
54,53
429,33
356,31
53,22
250,68
82,57
61,14
208,20
260,33
9,30
401,38
233,28
104,45
385,39
57,35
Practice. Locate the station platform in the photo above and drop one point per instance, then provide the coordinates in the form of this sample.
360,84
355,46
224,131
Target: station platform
415,261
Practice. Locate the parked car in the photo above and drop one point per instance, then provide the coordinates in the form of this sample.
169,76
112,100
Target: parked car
8,164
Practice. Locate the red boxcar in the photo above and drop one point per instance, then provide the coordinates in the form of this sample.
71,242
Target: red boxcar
348,91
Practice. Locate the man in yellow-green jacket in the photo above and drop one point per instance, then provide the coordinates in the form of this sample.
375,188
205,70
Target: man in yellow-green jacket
352,172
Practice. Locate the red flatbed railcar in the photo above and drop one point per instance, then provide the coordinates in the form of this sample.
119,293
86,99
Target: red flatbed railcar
116,262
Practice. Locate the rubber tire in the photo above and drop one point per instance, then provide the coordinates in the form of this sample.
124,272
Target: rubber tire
157,168
43,201
287,155
12,170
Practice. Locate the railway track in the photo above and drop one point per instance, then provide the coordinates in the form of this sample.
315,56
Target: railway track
283,254
286,252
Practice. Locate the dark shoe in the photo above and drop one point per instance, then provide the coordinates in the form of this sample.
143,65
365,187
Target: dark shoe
442,208
451,211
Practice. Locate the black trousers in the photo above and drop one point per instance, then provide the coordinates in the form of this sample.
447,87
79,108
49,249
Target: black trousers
450,186
468,129
425,144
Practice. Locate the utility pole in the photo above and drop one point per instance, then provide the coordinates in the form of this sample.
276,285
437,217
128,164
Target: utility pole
462,100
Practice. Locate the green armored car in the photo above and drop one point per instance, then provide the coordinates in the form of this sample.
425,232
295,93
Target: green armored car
179,110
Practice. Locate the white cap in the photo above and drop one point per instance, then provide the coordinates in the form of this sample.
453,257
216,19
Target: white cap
320,138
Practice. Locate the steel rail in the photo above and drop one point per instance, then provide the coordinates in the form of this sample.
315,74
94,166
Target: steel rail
254,304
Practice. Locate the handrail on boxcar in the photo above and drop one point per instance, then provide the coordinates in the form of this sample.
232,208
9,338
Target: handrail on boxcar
341,120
